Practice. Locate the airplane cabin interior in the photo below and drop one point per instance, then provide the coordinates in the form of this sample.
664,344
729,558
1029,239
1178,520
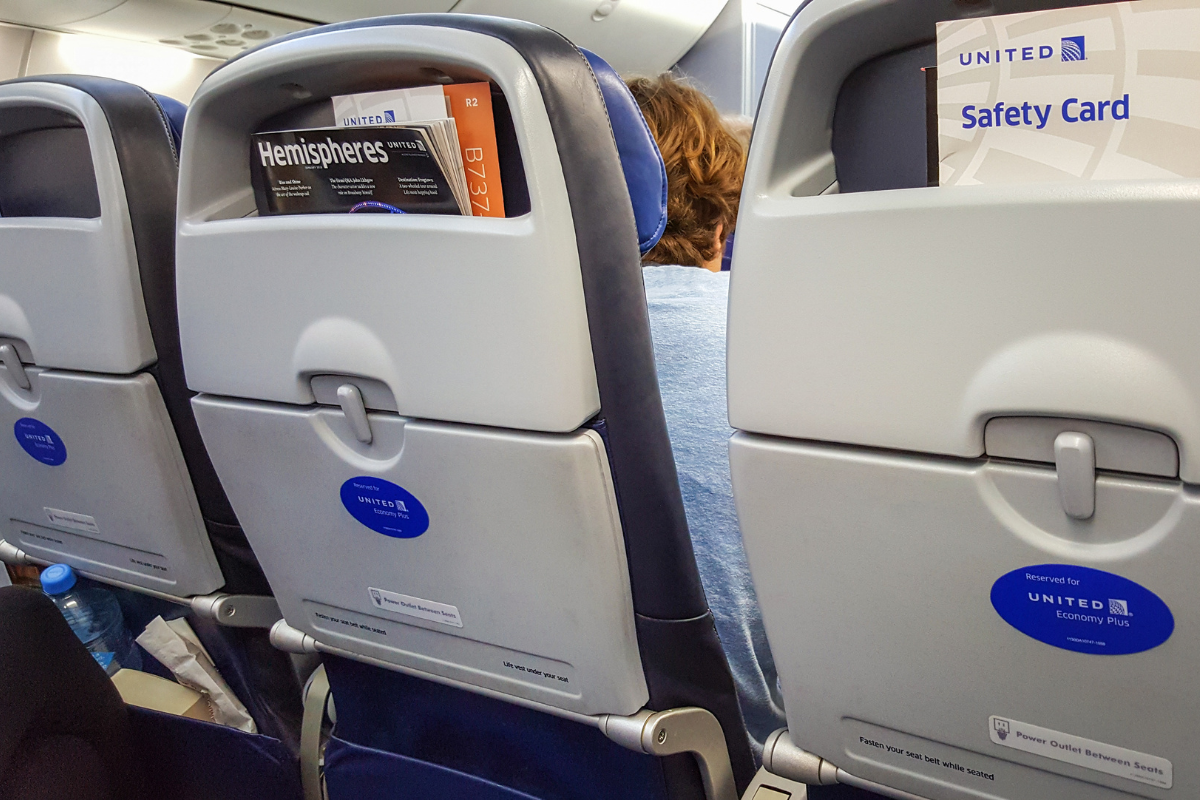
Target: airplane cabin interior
599,399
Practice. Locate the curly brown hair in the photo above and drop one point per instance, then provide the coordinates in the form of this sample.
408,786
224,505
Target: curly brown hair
705,164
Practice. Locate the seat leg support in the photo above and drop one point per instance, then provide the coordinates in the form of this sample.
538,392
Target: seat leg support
316,697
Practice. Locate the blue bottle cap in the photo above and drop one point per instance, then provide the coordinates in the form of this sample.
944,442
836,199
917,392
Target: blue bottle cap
57,578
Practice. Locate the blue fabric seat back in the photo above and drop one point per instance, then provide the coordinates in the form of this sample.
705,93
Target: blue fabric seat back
641,161
174,111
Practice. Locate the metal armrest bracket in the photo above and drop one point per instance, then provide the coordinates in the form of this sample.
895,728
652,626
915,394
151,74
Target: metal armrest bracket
783,758
679,730
230,610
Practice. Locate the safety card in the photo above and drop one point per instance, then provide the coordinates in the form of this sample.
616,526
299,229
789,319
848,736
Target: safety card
1101,92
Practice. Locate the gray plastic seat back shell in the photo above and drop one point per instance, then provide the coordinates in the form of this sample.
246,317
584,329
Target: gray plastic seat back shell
524,543
120,504
872,338
891,558
464,320
1080,322
492,331
69,287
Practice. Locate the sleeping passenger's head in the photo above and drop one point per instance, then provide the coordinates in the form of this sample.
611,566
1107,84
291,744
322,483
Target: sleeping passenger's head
705,161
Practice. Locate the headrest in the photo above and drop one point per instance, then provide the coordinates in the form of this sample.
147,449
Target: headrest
125,107
174,112
642,163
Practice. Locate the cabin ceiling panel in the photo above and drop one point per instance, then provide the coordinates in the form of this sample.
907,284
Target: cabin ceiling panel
51,13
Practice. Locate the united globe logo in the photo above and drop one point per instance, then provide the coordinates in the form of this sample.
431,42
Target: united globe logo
1073,49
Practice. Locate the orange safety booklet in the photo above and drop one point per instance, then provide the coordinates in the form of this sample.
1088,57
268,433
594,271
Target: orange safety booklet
471,107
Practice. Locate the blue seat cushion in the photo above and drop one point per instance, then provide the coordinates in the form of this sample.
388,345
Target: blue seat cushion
642,163
187,759
483,747
363,773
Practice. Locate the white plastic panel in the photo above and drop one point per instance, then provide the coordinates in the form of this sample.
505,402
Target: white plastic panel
213,30
70,288
637,37
474,320
874,574
14,49
153,19
48,13
523,560
342,10
121,505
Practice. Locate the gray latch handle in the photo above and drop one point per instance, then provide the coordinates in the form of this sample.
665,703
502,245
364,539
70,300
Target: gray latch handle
1075,459
351,401
12,362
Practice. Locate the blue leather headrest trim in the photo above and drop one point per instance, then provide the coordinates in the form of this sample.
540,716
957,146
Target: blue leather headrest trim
642,163
175,112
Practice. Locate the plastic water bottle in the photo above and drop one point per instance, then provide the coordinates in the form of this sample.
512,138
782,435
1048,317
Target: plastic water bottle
95,616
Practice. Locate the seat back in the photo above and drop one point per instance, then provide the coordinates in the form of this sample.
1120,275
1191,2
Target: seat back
105,469
471,532
65,732
946,620
63,722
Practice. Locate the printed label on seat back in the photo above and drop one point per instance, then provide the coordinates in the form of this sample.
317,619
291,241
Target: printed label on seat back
1082,609
1107,758
385,507
94,555
440,650
40,441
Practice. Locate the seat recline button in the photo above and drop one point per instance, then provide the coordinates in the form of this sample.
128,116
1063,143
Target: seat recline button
1075,459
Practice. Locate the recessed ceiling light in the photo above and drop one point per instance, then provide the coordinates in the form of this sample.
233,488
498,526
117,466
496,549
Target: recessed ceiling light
224,27
197,37
257,34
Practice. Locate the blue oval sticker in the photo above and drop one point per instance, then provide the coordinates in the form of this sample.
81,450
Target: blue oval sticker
385,507
1082,609
40,441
